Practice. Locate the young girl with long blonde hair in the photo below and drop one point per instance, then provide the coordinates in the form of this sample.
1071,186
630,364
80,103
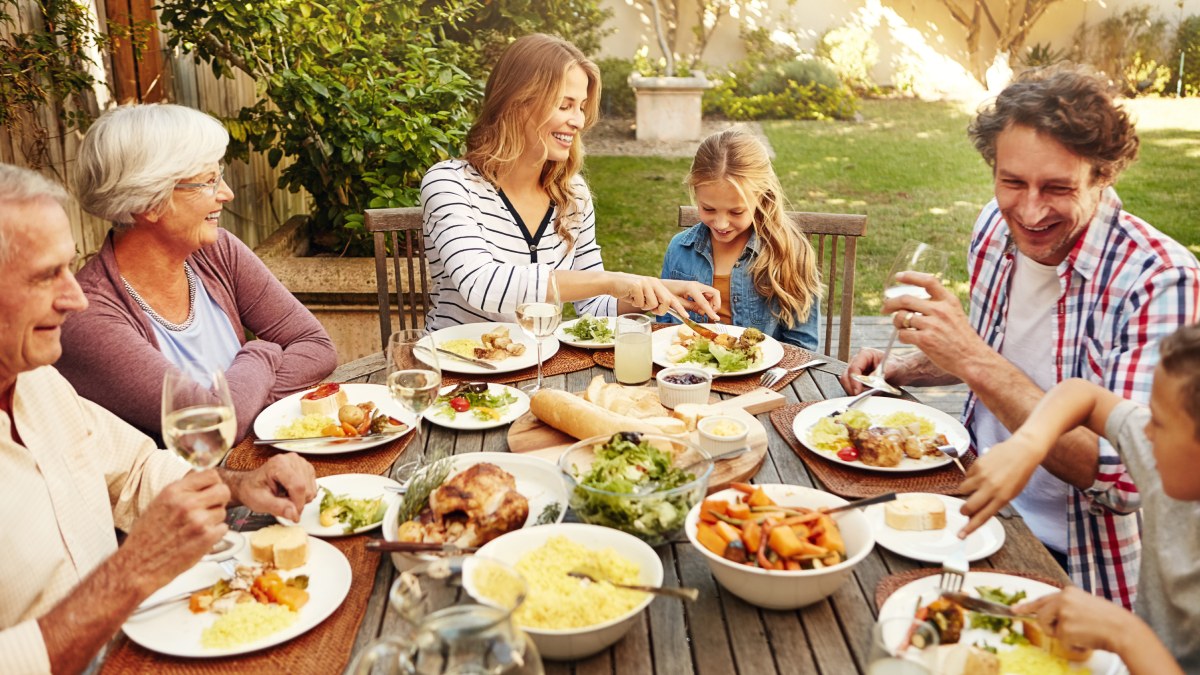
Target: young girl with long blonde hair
746,246
515,207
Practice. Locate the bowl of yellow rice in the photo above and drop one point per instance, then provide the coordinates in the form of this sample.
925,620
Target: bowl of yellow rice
570,618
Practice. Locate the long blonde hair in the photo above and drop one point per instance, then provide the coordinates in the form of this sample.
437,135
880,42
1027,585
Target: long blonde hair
786,266
525,87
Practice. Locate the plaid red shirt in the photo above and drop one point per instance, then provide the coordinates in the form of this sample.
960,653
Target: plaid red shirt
1125,286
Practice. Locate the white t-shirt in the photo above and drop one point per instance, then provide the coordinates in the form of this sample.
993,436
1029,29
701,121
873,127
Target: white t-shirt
1029,345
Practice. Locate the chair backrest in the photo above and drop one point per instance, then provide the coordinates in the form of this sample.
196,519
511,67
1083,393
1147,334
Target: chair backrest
402,226
826,231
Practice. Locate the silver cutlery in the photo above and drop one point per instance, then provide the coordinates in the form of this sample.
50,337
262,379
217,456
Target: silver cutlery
475,362
859,503
856,400
382,545
683,592
776,374
953,453
981,606
331,440
229,566
728,454
954,569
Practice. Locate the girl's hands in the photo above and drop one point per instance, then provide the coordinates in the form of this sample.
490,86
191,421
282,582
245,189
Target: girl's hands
648,294
696,296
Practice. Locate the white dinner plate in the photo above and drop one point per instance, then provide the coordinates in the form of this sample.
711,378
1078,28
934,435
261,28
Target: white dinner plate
469,422
354,485
538,480
772,350
566,338
925,590
287,410
936,545
175,631
877,407
473,331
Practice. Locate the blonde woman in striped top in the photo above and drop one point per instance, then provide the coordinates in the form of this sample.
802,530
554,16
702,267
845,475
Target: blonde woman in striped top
516,206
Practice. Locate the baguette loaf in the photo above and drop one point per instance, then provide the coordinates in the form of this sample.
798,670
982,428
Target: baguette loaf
581,419
915,512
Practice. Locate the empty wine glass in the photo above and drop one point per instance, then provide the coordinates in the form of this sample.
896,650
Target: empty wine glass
902,646
199,423
414,374
538,316
914,256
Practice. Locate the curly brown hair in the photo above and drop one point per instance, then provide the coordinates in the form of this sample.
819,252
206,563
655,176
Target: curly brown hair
1069,103
1179,355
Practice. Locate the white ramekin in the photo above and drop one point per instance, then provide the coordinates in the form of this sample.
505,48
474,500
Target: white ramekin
671,395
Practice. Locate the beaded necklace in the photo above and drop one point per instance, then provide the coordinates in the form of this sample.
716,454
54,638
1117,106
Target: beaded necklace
176,327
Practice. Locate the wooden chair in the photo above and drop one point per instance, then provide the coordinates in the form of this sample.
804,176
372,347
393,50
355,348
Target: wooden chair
403,227
826,231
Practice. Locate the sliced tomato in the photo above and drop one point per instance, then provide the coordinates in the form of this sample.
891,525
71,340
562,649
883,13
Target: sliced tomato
327,389
460,404
847,454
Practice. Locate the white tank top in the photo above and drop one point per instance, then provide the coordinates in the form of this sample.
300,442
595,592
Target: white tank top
1029,345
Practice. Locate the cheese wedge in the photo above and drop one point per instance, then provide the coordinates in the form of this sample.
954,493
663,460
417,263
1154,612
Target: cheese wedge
283,547
691,413
915,512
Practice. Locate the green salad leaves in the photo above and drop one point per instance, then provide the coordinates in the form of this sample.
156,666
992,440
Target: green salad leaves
997,624
633,469
475,398
706,353
590,329
352,513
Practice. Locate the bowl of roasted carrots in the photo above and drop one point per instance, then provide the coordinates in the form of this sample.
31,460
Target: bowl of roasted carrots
774,546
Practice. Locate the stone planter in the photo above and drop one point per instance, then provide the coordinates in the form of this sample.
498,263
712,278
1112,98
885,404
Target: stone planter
668,108
340,292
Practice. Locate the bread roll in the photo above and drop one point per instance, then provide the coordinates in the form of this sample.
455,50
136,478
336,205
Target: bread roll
915,512
581,419
640,402
326,405
963,659
283,547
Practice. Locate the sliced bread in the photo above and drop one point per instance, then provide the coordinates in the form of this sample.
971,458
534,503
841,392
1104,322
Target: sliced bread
915,512
285,547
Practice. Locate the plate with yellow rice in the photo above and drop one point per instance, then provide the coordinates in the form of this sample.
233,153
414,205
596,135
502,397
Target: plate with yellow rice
570,618
820,432
175,631
1014,658
463,339
284,419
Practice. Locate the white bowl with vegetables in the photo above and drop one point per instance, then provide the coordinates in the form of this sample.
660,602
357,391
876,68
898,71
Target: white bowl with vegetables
747,564
639,483
570,618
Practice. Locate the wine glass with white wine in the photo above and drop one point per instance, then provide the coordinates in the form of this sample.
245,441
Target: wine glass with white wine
414,374
199,423
538,316
914,256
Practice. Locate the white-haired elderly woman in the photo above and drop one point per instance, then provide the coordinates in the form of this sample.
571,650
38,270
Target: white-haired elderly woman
169,287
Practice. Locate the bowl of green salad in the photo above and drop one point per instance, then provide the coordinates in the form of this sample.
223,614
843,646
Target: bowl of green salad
639,483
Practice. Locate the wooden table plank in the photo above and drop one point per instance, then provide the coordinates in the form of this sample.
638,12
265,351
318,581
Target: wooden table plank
668,621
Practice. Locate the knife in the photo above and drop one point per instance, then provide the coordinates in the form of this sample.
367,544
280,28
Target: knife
475,362
988,607
332,440
706,333
381,545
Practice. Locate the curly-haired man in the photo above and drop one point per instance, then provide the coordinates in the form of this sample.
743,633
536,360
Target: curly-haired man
1064,284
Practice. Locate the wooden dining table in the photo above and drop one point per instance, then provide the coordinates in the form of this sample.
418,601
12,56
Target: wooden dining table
719,633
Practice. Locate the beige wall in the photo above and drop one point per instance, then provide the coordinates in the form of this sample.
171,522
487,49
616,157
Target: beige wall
904,27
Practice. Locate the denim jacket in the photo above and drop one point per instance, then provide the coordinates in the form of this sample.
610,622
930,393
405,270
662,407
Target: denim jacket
690,257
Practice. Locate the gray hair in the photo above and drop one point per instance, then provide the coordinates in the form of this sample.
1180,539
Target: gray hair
19,186
133,155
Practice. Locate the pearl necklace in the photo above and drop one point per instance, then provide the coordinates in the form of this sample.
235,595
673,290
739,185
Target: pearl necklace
176,327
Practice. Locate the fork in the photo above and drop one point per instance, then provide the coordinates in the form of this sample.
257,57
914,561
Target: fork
228,565
953,453
954,569
776,374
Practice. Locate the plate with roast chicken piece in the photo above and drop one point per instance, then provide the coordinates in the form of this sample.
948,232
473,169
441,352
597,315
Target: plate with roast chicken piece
880,434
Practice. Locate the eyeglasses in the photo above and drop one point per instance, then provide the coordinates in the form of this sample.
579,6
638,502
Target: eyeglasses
214,184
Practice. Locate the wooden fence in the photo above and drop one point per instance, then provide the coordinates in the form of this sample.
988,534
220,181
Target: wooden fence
150,74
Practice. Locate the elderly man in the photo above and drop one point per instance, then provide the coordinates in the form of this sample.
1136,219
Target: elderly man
72,470
1064,283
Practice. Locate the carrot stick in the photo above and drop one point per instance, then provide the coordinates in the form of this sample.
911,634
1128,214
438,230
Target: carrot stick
742,487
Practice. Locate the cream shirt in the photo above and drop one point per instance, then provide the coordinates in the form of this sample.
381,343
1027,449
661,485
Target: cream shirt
81,471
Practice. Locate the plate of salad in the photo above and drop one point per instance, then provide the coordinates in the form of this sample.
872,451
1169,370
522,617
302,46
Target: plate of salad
346,504
477,405
588,332
734,351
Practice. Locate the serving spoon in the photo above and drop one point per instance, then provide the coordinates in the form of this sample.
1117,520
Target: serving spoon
683,592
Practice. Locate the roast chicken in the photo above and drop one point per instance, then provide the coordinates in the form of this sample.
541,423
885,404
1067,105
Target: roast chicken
471,509
886,446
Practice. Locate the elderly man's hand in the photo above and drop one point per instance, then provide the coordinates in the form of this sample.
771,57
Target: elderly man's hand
281,487
182,524
864,362
936,325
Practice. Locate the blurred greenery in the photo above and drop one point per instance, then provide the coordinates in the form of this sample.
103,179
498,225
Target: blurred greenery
908,165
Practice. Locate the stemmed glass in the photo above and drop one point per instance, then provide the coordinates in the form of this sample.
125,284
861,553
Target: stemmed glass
902,645
539,317
199,423
914,256
414,375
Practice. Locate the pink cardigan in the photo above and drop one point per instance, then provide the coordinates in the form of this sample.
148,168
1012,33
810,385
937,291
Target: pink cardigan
110,354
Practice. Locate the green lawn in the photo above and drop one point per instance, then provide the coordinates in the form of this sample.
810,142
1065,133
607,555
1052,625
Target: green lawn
908,165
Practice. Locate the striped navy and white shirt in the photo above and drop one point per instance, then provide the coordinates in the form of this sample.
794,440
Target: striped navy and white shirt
480,257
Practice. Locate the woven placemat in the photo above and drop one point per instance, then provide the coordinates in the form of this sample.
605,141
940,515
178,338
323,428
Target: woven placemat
850,482
568,360
891,583
247,456
324,649
792,356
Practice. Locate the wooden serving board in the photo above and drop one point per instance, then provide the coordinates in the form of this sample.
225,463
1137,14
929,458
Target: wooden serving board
529,435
